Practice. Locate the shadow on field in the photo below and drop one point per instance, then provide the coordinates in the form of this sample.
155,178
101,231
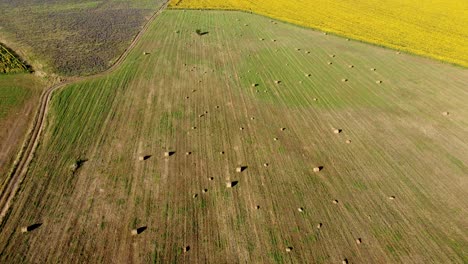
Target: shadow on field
141,229
200,33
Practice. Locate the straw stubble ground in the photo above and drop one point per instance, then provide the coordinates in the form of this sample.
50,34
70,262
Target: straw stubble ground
401,145
19,93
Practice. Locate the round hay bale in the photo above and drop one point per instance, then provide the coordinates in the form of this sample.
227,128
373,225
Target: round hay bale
229,184
300,209
350,66
358,241
348,141
336,131
265,164
325,33
239,169
344,80
241,128
252,118
194,127
254,84
139,230
307,52
257,207
317,169
345,261
195,195
262,39
274,40
289,249
205,190
283,129
445,113
378,82
277,82
210,178
275,139
315,99
319,225
329,63
188,153
221,152
186,249
335,201
391,197
373,69
298,49
307,74
332,55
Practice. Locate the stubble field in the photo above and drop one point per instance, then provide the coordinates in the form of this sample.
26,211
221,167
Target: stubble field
19,94
398,187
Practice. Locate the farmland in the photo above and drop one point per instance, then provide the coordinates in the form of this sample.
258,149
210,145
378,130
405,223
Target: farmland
435,29
72,37
391,185
19,94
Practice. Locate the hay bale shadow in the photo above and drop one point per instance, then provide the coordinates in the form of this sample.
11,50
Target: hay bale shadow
78,164
201,33
231,184
241,168
31,227
146,157
140,230
169,153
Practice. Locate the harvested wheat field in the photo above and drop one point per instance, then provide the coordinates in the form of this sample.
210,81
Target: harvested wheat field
19,93
105,189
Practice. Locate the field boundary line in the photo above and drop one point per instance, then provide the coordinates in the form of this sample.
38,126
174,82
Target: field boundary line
20,167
